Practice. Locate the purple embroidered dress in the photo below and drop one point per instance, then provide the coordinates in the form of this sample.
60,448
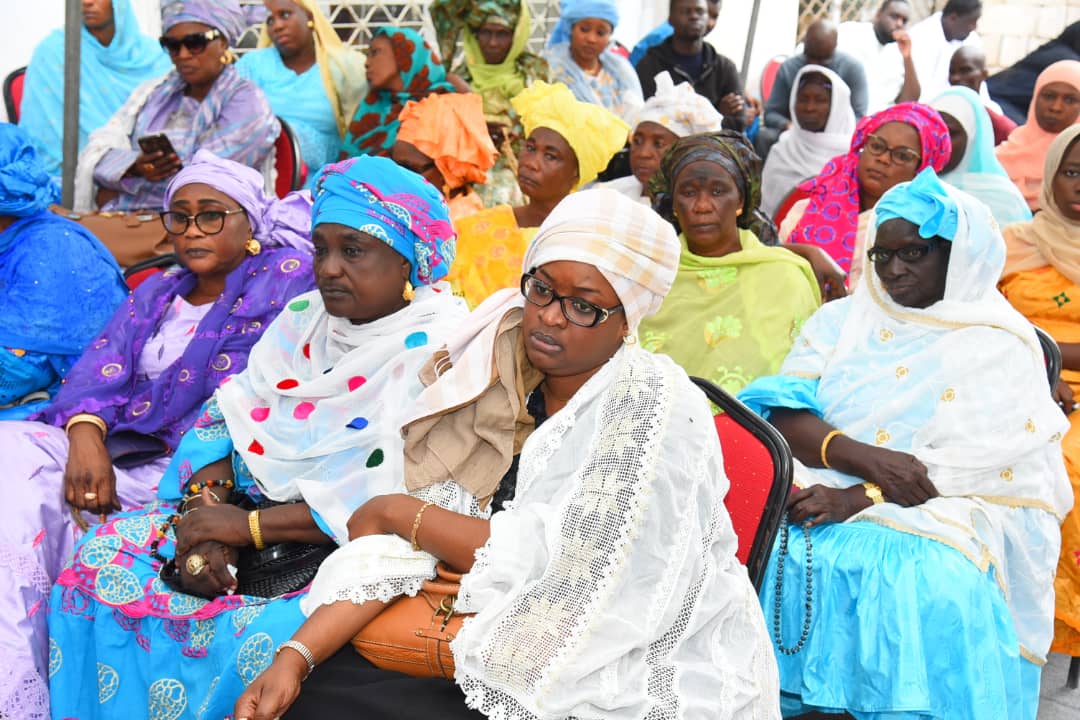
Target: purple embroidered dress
111,381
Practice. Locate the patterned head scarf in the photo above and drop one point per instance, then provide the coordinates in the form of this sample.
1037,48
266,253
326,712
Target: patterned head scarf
225,15
593,133
452,131
378,197
274,222
635,249
831,219
571,12
731,151
25,187
374,126
679,109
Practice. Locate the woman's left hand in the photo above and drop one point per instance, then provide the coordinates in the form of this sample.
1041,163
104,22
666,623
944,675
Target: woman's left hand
1063,396
213,520
275,690
818,504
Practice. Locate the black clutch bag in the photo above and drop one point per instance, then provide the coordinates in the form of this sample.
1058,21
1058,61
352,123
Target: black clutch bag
275,570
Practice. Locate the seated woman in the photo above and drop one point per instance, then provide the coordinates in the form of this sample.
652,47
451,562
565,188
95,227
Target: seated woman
497,66
972,165
624,459
1042,275
310,78
915,578
1055,106
60,284
567,144
444,138
581,54
104,442
821,128
313,424
401,66
889,147
736,305
115,57
675,111
203,104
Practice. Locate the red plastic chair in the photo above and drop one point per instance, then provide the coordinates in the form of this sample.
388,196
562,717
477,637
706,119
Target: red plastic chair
787,203
287,161
138,273
768,76
13,93
758,464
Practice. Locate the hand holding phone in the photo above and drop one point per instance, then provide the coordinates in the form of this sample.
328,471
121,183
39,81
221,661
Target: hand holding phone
158,160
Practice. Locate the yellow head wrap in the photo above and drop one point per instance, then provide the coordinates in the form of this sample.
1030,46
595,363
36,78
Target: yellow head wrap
593,133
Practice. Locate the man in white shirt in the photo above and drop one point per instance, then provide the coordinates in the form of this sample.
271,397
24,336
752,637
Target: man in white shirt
935,39
883,48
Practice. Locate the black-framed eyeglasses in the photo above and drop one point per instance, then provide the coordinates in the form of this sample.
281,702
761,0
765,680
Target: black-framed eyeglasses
210,222
900,155
578,311
194,42
908,253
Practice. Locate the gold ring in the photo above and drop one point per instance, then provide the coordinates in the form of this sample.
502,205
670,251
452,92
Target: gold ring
195,564
148,167
89,496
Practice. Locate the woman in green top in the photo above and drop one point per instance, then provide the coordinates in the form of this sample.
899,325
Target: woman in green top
737,304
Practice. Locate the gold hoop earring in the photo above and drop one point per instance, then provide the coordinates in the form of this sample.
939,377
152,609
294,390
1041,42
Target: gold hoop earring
253,246
408,293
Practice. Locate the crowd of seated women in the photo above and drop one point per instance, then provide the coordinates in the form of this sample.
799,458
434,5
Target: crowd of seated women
464,350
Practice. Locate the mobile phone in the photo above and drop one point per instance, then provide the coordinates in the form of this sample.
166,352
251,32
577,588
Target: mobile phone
156,143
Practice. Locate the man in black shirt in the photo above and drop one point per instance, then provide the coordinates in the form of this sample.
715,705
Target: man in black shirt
690,59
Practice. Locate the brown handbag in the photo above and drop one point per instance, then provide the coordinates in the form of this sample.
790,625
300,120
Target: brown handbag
130,237
412,635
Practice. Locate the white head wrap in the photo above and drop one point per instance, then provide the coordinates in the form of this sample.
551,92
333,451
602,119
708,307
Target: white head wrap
635,249
679,109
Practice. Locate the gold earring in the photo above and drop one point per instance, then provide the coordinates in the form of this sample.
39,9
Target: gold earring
738,212
253,246
408,293
311,23
227,57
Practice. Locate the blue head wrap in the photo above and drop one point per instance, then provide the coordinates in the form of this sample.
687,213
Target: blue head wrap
224,15
378,197
573,11
25,186
924,202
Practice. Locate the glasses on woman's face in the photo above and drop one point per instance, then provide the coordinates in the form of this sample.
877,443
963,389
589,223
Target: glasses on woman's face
900,155
195,42
578,311
210,222
908,253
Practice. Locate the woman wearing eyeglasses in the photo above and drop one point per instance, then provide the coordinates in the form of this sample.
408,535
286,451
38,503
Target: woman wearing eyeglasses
104,442
202,104
915,576
280,455
888,148
589,465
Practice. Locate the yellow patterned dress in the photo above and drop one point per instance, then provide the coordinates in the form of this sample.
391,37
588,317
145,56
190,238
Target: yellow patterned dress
490,250
732,319
1052,301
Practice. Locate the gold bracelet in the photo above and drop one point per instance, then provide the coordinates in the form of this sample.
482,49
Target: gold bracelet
256,530
87,418
825,447
416,525
873,491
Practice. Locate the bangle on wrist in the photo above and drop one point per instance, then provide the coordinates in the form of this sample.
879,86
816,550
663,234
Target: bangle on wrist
416,525
256,530
87,418
825,447
302,649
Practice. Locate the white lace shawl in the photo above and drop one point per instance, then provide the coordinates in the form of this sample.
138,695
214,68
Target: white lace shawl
609,587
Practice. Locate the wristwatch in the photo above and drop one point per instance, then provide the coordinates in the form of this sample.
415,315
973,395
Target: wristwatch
873,491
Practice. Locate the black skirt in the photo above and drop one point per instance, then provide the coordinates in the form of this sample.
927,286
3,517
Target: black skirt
348,686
